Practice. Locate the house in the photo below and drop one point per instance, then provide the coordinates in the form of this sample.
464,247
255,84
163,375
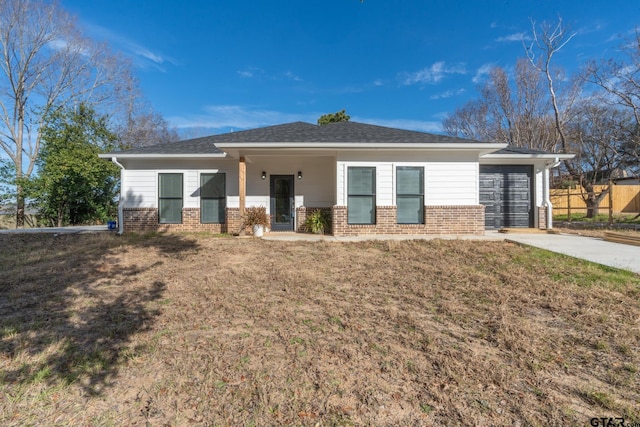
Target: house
629,180
371,179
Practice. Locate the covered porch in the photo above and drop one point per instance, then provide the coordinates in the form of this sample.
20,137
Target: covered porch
287,185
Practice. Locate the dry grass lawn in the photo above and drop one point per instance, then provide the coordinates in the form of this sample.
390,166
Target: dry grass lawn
195,329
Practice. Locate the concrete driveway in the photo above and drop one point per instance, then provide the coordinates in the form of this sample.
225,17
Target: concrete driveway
592,249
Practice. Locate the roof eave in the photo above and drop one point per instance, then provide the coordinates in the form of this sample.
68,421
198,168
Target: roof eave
157,155
545,156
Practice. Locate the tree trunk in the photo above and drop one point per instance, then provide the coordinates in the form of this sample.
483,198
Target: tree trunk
593,200
18,162
60,215
19,207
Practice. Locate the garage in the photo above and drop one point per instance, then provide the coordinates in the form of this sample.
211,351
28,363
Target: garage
506,193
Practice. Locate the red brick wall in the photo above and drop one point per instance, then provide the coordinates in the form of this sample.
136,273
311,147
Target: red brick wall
146,219
437,220
234,222
454,219
301,216
140,219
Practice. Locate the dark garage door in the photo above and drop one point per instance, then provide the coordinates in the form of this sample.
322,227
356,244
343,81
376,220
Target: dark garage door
505,191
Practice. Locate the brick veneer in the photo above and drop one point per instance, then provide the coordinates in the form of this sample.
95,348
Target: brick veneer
146,219
140,219
542,217
437,220
234,221
301,217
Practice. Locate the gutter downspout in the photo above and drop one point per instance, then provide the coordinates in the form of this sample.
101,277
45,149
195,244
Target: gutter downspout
122,197
545,188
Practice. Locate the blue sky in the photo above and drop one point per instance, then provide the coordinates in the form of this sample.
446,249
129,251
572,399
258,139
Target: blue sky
209,66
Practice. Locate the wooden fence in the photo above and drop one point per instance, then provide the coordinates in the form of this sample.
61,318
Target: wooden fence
623,198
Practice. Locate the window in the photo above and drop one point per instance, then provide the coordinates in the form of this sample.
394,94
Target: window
170,198
410,194
212,198
361,195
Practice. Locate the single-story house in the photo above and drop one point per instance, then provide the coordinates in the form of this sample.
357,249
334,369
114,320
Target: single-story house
370,179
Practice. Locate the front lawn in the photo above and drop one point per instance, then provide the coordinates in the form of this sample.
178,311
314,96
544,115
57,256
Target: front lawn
182,329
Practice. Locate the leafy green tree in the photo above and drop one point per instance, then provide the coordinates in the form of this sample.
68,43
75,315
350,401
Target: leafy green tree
73,185
7,181
340,116
46,62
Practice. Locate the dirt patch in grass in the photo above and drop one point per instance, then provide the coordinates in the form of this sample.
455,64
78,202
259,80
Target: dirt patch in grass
179,329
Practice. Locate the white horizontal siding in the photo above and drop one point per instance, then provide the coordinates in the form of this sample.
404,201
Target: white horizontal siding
384,181
446,183
451,183
192,187
384,184
139,188
257,201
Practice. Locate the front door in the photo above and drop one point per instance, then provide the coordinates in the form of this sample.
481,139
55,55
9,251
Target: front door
282,204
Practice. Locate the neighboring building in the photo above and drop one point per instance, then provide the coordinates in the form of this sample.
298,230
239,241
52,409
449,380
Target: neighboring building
630,180
372,180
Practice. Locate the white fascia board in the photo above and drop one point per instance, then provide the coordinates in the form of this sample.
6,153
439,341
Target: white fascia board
163,156
482,146
527,156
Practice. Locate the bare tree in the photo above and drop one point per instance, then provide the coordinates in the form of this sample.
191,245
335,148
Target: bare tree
139,125
470,121
620,80
540,108
144,129
597,134
548,40
45,64
509,109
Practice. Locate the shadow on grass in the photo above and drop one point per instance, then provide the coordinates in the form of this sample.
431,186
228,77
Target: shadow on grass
68,311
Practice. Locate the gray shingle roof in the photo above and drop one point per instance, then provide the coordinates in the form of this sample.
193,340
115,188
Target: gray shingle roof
348,132
202,145
520,150
345,132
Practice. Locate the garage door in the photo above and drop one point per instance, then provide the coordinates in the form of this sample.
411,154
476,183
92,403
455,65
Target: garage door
505,191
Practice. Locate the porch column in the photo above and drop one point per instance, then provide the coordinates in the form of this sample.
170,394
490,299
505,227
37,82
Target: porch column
242,184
